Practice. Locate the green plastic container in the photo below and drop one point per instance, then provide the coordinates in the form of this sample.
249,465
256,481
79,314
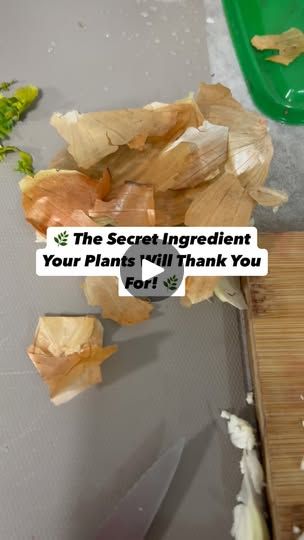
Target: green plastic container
278,91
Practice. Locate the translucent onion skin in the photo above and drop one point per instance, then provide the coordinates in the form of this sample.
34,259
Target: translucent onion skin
103,292
51,198
67,352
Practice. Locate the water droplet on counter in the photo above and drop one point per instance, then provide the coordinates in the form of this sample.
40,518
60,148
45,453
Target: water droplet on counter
188,62
187,30
210,20
149,23
107,35
82,25
173,34
106,89
173,53
144,14
157,40
51,49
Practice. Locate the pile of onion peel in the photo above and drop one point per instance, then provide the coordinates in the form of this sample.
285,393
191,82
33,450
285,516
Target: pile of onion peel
201,161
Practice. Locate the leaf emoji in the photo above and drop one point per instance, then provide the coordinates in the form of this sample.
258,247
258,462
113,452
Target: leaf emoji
62,238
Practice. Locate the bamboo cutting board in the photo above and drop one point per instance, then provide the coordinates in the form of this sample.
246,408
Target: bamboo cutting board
276,343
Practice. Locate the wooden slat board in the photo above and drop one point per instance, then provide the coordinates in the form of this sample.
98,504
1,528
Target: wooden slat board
276,337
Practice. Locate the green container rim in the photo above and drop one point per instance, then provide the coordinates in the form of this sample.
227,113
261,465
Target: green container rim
275,106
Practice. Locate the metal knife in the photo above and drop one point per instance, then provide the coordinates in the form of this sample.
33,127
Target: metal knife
136,511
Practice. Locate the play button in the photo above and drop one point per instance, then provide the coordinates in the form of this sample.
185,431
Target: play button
149,270
154,271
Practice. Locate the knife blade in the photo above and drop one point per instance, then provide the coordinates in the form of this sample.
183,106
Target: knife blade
136,511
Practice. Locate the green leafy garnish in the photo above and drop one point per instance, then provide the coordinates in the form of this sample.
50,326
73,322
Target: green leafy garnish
24,164
6,150
11,109
5,86
26,95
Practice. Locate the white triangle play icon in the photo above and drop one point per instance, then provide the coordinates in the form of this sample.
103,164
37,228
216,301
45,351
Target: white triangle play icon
150,270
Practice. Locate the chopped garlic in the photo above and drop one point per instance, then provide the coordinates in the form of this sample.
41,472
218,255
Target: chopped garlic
250,462
249,398
249,522
241,432
228,289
